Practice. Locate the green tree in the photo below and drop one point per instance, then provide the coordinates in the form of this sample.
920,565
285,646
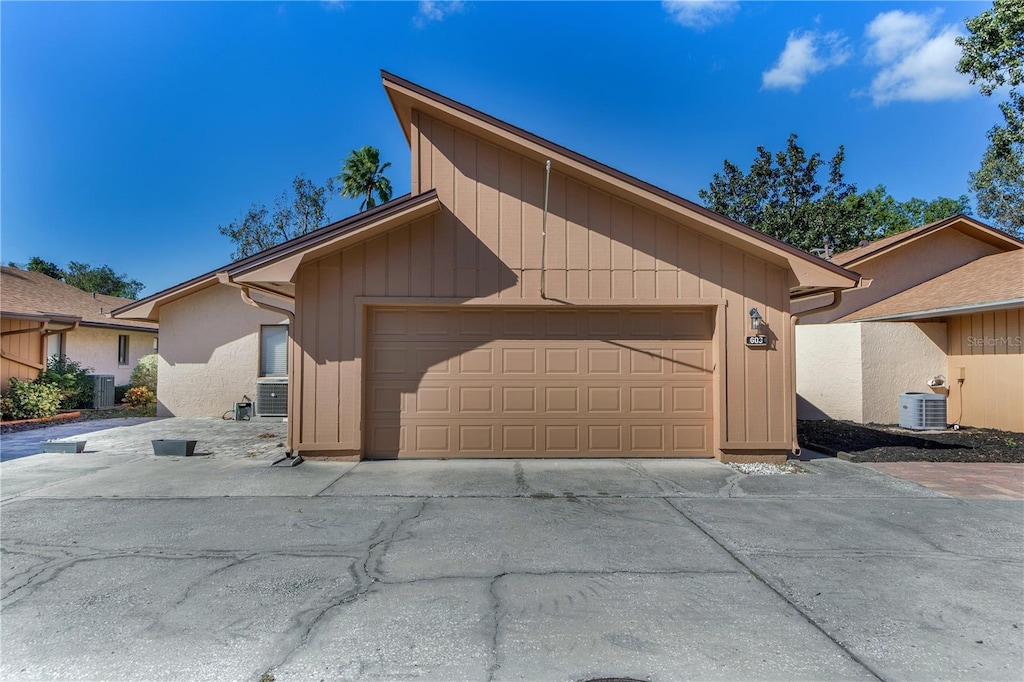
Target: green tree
362,177
102,280
296,212
37,264
781,195
993,55
883,215
95,280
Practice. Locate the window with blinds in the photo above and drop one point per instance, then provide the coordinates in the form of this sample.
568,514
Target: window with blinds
274,350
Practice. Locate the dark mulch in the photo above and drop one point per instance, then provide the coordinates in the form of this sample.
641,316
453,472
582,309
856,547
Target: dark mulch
87,416
887,443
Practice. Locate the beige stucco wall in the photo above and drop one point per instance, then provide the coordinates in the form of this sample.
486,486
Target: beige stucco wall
898,357
209,352
828,378
856,371
96,347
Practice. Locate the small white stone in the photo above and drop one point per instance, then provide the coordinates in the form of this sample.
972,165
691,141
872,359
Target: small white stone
764,469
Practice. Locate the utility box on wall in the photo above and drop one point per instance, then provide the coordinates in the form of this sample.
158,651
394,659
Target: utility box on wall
102,391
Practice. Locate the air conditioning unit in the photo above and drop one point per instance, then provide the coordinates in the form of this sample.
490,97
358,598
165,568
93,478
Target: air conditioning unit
102,391
922,411
272,397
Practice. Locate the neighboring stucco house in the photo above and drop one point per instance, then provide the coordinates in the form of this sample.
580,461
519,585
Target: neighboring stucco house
502,310
216,350
42,317
945,300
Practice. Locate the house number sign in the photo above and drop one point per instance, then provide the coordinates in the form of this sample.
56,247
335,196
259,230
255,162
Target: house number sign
759,340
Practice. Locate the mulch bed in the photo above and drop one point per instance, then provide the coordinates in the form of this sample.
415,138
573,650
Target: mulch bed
887,443
77,416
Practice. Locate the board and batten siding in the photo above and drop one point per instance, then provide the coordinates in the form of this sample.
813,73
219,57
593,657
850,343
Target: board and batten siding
484,248
989,347
23,354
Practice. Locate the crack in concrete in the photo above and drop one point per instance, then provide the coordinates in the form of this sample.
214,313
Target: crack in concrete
364,582
35,577
522,489
495,665
738,557
667,487
732,484
51,570
561,572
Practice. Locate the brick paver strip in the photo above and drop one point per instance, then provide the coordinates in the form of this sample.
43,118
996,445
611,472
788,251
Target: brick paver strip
973,480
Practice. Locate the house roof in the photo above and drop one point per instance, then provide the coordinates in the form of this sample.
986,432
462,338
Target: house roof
811,275
25,294
993,282
961,223
273,268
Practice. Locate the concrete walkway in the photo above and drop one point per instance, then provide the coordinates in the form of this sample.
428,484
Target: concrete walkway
24,443
119,565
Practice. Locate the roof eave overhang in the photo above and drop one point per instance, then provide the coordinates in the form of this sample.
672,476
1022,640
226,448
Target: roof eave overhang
148,309
277,272
806,271
963,224
45,318
122,327
966,309
274,269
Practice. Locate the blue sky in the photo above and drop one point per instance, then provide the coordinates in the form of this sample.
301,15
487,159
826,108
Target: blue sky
130,131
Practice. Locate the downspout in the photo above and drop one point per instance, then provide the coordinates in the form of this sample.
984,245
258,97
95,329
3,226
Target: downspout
224,278
51,332
544,229
244,289
837,300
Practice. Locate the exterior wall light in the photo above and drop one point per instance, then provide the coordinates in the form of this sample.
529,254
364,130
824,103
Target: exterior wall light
756,321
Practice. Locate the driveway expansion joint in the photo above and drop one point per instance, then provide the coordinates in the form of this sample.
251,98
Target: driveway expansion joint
736,555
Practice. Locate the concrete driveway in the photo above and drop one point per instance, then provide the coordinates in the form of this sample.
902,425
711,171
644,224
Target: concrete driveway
118,565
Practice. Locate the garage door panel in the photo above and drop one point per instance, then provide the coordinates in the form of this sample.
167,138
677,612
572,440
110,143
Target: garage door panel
519,361
491,383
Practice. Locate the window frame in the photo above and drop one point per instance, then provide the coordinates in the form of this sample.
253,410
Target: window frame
261,359
61,343
123,343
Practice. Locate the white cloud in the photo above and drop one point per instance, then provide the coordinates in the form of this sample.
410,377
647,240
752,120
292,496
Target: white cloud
436,10
700,14
917,60
805,54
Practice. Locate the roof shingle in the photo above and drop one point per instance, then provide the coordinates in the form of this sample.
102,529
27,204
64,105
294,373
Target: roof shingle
32,293
989,280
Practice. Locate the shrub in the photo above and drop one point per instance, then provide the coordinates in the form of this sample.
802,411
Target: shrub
139,396
119,392
144,373
31,400
70,378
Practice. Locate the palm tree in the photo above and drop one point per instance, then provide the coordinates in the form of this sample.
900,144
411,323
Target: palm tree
362,176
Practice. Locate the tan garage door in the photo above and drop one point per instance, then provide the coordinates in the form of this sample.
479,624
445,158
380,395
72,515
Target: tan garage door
466,382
